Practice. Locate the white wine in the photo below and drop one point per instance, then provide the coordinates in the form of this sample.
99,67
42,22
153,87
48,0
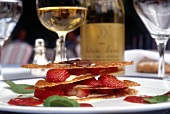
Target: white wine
62,18
103,34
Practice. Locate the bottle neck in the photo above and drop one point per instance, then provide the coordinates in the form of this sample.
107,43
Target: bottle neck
105,11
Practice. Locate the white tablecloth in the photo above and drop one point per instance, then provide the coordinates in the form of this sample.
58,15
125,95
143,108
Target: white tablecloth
138,54
15,71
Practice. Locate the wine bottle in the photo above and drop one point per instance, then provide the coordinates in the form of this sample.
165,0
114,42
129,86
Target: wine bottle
103,33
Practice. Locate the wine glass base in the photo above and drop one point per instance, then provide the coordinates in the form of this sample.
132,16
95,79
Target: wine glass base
166,77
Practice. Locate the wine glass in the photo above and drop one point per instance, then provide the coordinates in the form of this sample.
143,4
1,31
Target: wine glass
10,12
61,16
155,14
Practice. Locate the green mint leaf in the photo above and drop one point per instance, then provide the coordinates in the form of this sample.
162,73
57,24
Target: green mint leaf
157,99
60,101
19,88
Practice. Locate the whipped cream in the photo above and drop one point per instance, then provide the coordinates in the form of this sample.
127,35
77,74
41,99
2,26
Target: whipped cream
71,77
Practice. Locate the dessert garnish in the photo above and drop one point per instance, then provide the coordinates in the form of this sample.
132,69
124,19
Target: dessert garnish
149,99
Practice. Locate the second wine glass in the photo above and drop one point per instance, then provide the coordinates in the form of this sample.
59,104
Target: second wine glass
10,12
61,16
155,14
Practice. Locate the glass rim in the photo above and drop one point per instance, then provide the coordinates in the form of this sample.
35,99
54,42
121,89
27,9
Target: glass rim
10,0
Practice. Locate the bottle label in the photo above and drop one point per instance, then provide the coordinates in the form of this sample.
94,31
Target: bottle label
103,42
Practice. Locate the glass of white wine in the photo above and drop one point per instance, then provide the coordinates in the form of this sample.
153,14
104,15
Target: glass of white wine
61,16
155,14
10,12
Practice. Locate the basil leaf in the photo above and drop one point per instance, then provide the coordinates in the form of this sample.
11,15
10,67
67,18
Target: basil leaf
19,88
60,101
157,99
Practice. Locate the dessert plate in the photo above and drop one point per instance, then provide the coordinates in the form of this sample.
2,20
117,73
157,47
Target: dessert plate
149,86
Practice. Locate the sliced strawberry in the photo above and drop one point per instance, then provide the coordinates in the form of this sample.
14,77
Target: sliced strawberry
57,75
82,93
110,81
94,71
43,93
92,81
79,93
110,70
63,86
97,71
25,101
70,92
85,105
77,71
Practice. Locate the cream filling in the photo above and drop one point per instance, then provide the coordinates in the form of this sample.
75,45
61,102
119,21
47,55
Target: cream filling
71,77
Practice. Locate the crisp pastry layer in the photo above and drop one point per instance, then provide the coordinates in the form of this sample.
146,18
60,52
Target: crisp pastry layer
78,64
118,93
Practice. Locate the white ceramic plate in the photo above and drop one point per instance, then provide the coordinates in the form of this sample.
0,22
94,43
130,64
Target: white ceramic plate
117,105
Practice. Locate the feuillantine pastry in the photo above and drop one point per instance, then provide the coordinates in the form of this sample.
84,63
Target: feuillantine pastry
83,80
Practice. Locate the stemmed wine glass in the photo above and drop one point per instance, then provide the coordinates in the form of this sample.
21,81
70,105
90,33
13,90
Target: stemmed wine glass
61,16
10,12
155,14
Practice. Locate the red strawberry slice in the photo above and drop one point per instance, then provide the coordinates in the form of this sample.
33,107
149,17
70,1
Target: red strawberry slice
94,71
25,101
97,71
82,93
70,92
85,105
79,93
57,75
110,81
77,71
43,93
110,70
63,86
92,81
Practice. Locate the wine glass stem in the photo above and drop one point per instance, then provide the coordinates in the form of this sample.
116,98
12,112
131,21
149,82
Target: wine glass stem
62,37
1,45
161,45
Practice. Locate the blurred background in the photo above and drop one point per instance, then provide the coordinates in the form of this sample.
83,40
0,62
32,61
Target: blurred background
136,35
